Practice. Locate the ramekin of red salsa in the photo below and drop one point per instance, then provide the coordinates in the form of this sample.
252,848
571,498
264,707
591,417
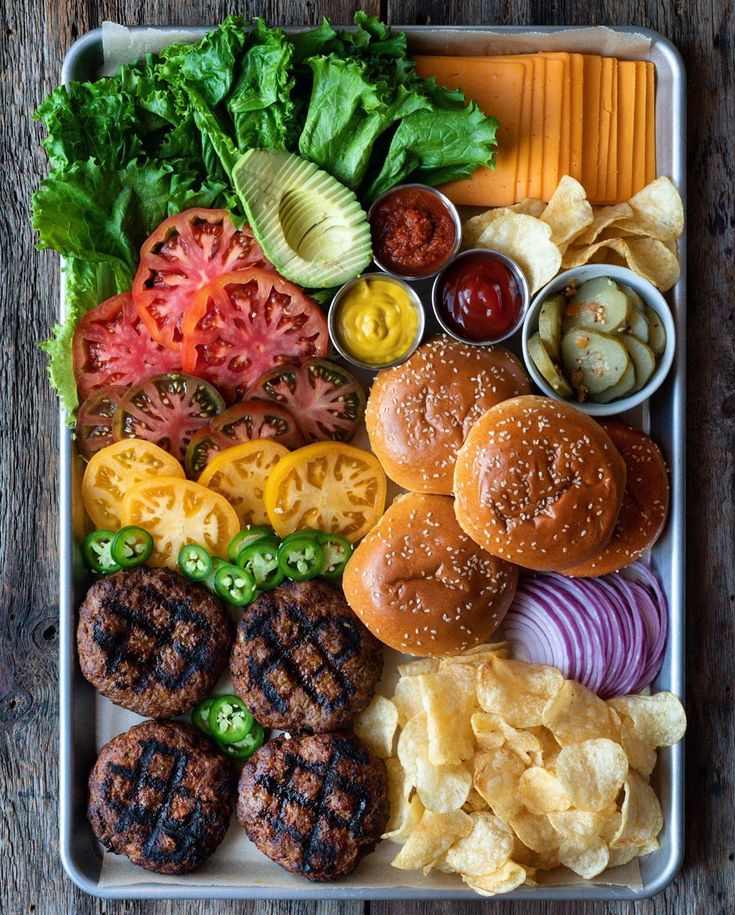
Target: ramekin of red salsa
481,297
415,231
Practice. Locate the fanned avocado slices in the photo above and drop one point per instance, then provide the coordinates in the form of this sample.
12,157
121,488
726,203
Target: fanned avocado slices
311,227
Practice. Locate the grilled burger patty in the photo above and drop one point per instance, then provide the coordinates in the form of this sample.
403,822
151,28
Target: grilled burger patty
302,661
161,795
316,805
151,641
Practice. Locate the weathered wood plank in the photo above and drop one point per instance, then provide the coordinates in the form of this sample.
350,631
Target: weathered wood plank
33,38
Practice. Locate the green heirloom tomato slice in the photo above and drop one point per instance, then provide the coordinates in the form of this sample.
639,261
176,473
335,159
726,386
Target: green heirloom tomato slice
167,410
326,401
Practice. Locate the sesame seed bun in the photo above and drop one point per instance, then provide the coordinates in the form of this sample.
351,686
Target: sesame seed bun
420,584
419,413
645,502
539,483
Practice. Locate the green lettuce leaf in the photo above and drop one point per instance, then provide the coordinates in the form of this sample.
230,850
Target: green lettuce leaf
86,285
260,101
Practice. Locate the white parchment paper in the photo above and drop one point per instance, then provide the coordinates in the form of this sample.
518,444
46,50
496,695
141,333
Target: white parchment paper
237,863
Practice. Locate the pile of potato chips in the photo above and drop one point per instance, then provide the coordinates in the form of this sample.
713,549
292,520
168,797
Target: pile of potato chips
503,768
568,231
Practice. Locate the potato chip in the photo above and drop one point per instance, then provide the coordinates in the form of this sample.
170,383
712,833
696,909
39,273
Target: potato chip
434,835
650,846
418,667
659,720
622,855
484,850
592,772
441,789
413,742
496,778
536,832
492,731
568,212
407,699
476,656
475,801
377,724
516,690
641,755
404,813
647,257
549,747
529,206
586,858
585,823
642,818
504,880
603,218
575,713
541,791
528,242
449,699
658,211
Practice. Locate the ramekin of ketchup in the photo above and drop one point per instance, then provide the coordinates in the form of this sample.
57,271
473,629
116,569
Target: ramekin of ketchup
480,297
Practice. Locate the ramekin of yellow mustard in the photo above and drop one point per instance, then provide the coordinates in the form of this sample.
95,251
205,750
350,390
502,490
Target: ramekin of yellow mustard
376,321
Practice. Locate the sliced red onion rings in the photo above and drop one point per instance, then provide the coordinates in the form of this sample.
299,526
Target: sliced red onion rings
608,633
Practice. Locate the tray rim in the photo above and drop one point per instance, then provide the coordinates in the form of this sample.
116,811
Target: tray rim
67,611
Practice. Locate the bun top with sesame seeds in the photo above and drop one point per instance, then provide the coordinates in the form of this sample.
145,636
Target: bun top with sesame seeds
419,413
422,586
645,502
539,483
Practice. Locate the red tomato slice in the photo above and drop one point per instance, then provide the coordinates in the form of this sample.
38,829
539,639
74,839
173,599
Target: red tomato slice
94,419
244,422
111,345
325,399
167,410
186,252
244,324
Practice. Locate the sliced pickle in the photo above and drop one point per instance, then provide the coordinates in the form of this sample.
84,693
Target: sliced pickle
656,333
538,352
549,325
633,298
598,305
623,387
593,361
643,359
637,324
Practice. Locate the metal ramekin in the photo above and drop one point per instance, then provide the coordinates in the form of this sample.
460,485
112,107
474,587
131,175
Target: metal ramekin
453,212
514,269
332,318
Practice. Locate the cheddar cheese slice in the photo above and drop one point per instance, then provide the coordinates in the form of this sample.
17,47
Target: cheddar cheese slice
591,118
639,132
566,108
553,120
576,115
608,91
626,134
497,85
650,123
536,164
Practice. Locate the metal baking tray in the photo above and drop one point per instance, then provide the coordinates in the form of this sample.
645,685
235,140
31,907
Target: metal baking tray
663,416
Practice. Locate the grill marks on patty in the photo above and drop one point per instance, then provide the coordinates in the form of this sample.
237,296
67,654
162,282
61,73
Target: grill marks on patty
316,805
161,795
302,661
151,641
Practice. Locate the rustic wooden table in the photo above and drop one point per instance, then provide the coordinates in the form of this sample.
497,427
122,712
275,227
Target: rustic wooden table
35,35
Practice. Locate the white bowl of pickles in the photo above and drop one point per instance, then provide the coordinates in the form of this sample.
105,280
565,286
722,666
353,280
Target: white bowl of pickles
600,337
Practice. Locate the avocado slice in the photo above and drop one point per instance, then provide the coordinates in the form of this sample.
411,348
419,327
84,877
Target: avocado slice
311,227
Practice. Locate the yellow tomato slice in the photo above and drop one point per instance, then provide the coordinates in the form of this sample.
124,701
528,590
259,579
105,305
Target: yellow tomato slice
114,469
328,486
176,512
240,473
